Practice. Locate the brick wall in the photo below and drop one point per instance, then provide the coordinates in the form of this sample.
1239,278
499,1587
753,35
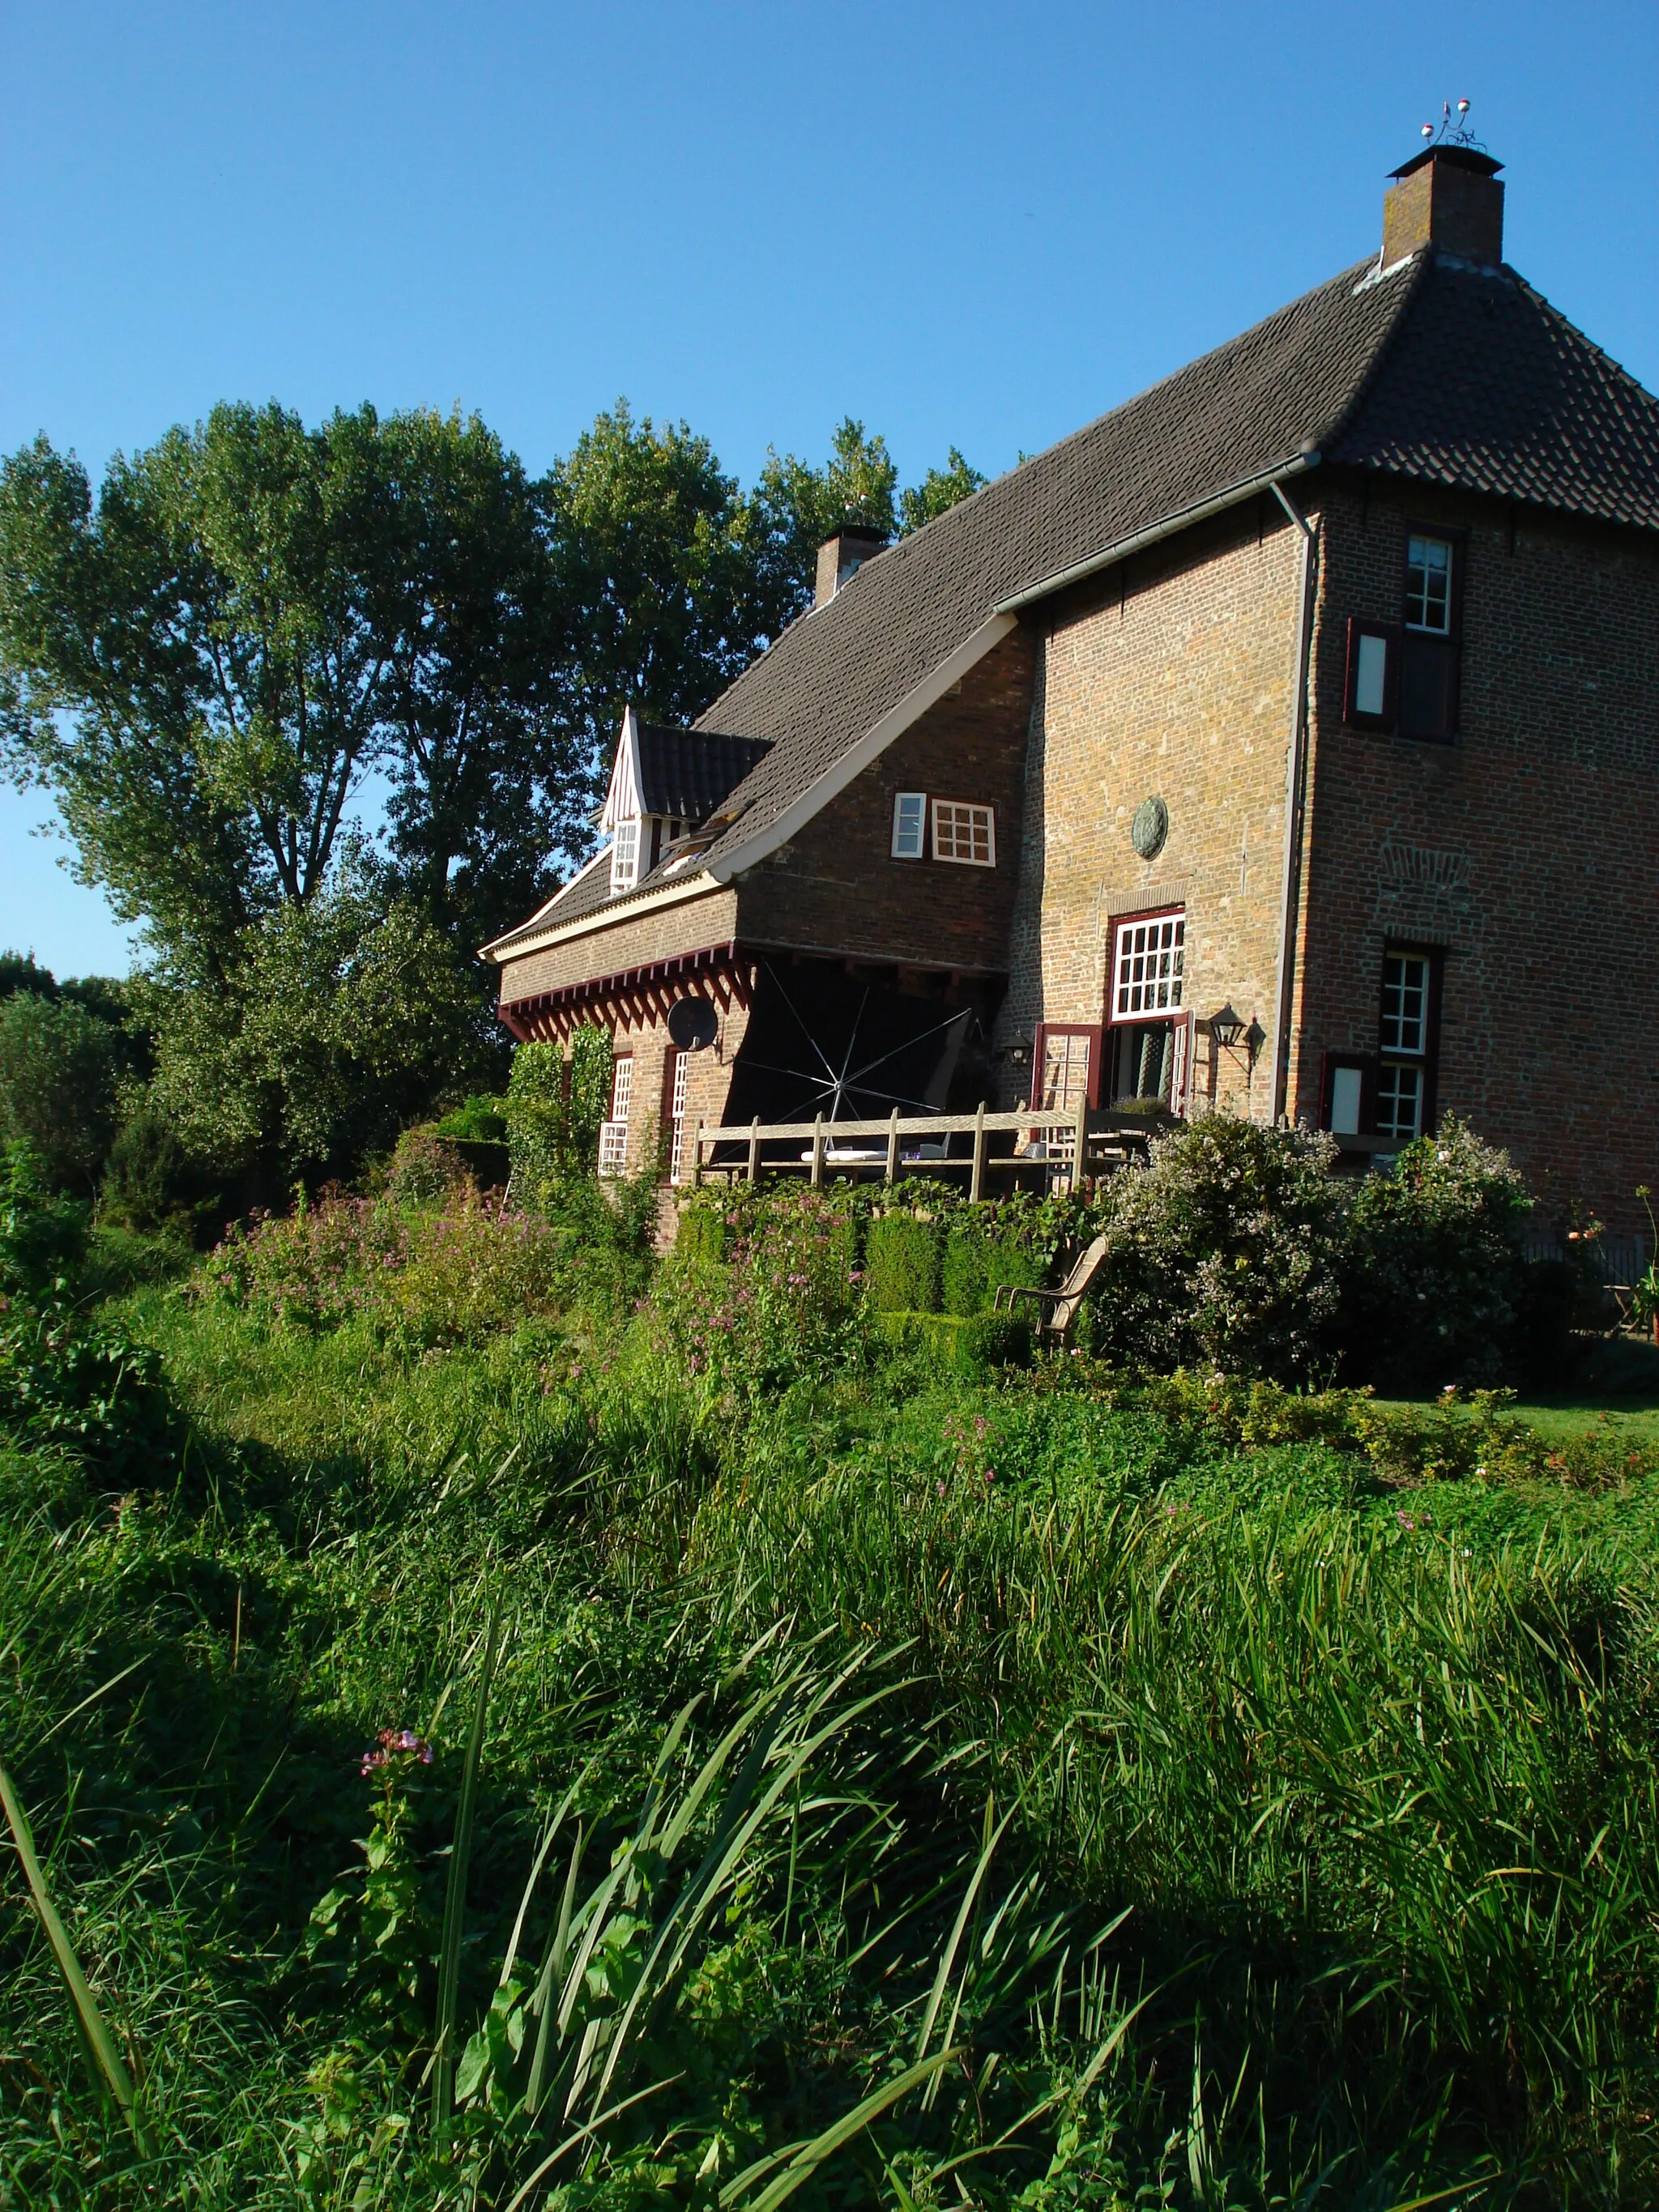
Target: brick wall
836,886
709,1080
1173,676
1527,850
631,941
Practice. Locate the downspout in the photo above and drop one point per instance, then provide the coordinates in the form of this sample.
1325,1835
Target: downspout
1295,804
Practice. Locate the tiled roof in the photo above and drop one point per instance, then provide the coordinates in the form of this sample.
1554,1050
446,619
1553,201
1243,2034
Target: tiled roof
1431,369
1488,387
1255,403
685,774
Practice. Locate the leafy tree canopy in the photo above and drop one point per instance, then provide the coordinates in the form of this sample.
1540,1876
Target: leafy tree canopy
59,1069
205,663
938,490
339,1024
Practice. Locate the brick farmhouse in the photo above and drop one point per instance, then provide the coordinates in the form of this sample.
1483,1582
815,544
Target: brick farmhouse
1285,742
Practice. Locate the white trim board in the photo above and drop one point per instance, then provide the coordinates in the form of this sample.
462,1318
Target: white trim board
611,917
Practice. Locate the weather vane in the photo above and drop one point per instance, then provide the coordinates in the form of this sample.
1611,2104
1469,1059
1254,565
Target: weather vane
1452,133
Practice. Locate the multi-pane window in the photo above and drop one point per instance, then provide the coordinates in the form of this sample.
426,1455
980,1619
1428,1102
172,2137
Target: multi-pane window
1399,1101
910,824
1402,1074
625,857
1405,1002
681,1064
613,1133
1403,676
1428,585
965,833
1146,967
1064,1083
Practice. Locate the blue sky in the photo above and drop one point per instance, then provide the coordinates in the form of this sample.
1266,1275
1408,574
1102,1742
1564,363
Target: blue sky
967,224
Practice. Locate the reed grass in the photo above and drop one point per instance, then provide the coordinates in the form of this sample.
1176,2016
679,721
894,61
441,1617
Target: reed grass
1215,1825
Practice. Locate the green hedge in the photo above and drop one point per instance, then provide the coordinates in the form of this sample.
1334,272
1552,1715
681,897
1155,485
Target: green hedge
901,1264
699,1240
971,1344
977,1261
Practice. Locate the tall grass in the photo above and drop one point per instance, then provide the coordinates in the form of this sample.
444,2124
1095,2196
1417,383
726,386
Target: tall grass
909,1796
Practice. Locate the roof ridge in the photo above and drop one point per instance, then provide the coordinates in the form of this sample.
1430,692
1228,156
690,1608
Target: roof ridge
1558,315
959,515
1348,411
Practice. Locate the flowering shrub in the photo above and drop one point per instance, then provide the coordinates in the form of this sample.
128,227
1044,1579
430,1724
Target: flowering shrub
1434,1279
374,1935
1225,1251
425,1166
789,1302
454,1274
315,1268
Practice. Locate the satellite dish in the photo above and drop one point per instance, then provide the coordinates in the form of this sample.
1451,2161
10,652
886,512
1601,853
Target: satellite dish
693,1024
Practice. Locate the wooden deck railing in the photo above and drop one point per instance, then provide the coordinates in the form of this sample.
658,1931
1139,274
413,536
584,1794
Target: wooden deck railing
1102,1141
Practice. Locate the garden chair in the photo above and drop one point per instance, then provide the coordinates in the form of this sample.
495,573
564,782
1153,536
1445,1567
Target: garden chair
1057,1309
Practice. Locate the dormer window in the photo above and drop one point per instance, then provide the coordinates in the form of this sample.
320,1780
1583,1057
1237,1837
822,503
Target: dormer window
625,857
666,787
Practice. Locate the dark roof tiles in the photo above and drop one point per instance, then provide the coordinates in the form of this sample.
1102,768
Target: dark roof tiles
1253,404
1489,388
685,774
1433,369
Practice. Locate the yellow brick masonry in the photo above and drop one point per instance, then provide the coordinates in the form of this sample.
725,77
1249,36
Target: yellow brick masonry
1173,678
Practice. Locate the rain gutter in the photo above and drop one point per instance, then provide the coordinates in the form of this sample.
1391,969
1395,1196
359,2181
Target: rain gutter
1183,519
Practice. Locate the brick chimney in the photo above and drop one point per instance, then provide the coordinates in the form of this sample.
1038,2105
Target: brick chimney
1449,197
842,551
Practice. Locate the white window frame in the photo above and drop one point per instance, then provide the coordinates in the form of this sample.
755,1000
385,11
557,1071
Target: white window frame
1143,992
979,818
909,825
625,856
1389,1120
1408,987
1068,1055
1404,1033
677,1075
1435,619
613,1133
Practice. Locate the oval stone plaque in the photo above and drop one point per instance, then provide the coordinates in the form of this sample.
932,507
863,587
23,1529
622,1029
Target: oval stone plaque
1150,828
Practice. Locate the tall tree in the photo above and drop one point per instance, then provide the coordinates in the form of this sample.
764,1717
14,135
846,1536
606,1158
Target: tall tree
940,490
204,666
490,788
656,565
795,506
